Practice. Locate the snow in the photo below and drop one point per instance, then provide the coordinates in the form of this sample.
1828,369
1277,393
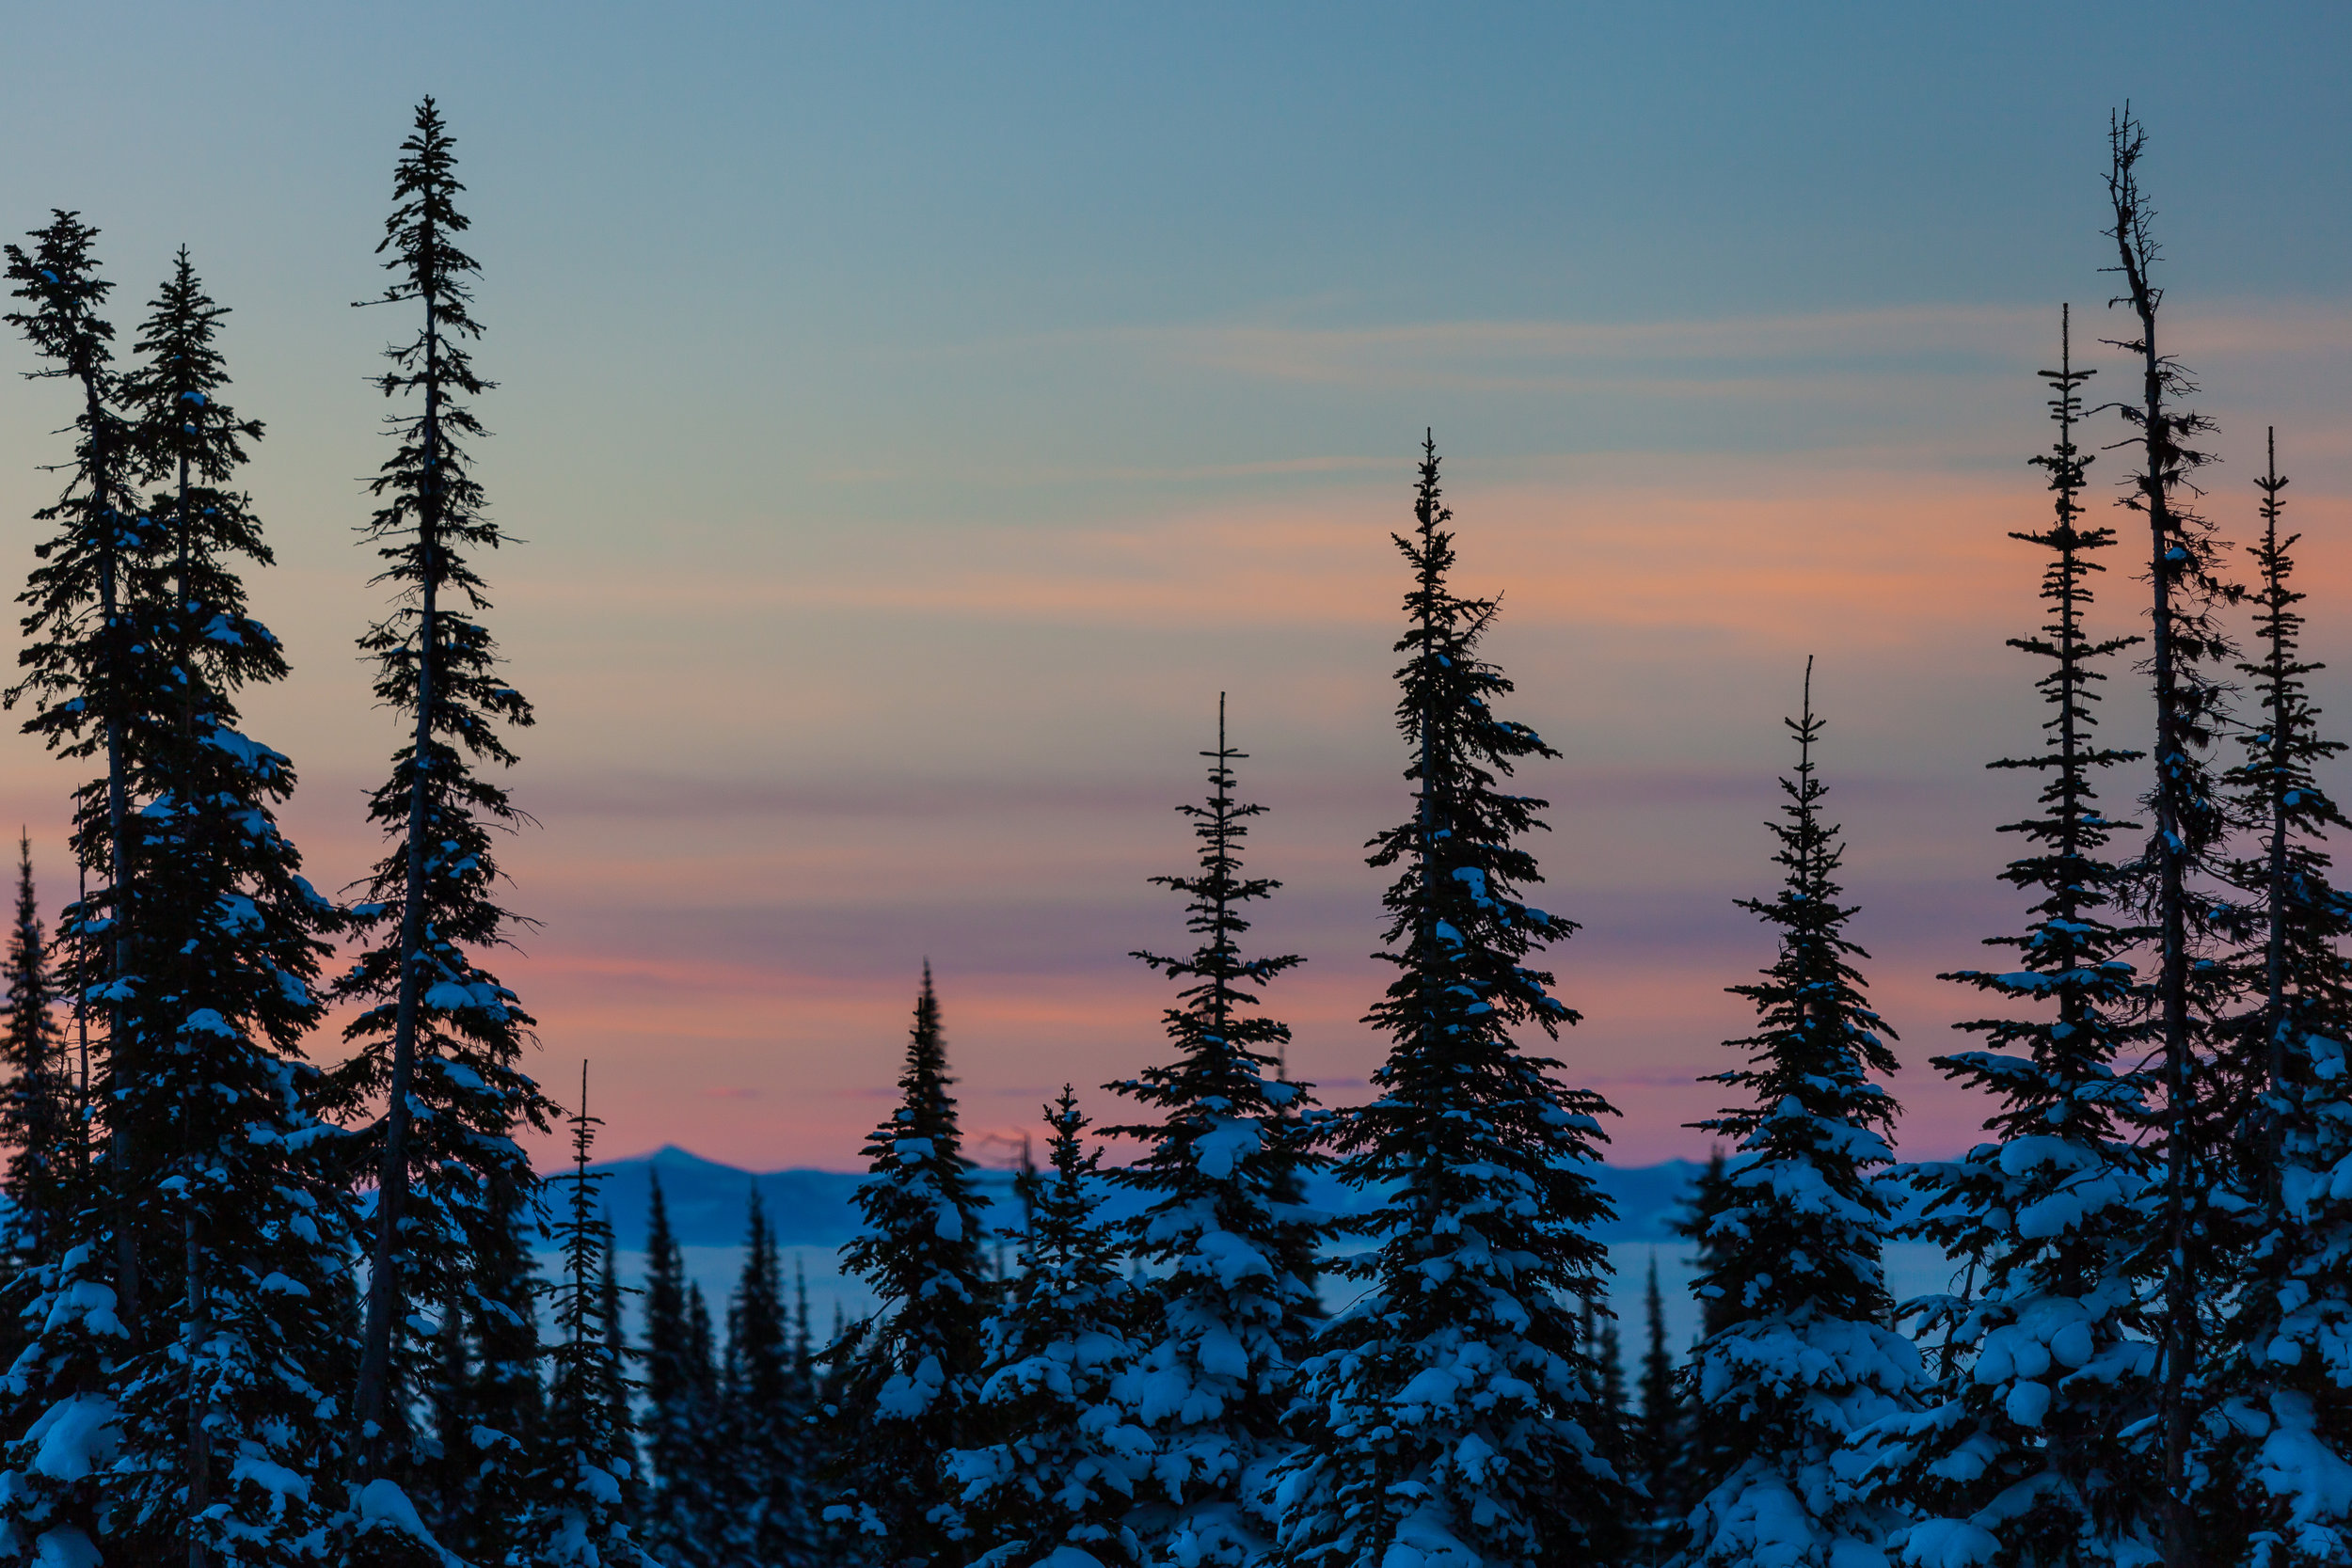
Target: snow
74,1437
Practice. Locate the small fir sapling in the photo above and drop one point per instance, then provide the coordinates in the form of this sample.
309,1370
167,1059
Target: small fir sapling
1224,1226
1805,1359
1448,1414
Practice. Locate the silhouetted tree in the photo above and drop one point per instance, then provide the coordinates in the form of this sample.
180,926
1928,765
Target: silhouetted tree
37,1121
909,1372
574,1514
2014,1456
1449,1411
1223,1223
2187,643
1053,1462
1805,1360
2287,1439
437,1033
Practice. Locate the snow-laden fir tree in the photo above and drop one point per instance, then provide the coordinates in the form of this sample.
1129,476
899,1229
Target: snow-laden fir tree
1220,1173
678,1519
230,1439
38,1108
1446,1416
2288,1432
2014,1458
574,1515
909,1372
1805,1359
88,661
1055,1462
760,1422
91,653
438,1042
2188,822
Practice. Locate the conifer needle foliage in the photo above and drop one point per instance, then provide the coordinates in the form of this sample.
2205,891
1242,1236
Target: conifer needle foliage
1224,1228
1804,1359
1448,1414
2012,1457
439,1039
2285,1437
909,1371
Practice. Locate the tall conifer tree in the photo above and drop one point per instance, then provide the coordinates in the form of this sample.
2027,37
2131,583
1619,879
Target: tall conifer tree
908,1372
1448,1411
2013,1457
2287,1438
2185,844
226,1394
89,670
1798,1230
437,1032
1054,1464
1223,1225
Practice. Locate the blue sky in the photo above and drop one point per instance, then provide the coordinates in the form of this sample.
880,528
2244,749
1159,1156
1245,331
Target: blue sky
914,416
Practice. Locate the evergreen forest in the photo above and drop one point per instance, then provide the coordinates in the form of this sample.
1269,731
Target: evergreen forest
274,1299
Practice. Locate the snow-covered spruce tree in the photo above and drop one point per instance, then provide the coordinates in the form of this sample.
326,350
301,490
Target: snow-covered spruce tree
1446,1416
87,663
2288,1433
2012,1459
908,1372
232,1445
1805,1359
1055,1463
574,1515
758,1422
438,1039
678,1515
38,1121
2183,854
1219,1173
89,660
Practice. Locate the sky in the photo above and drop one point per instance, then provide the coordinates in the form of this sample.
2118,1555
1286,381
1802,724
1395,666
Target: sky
909,418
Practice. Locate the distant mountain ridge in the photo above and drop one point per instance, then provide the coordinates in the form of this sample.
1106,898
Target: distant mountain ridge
707,1200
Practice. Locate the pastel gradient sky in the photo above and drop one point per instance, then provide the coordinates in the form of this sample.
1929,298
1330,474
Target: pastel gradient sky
914,416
